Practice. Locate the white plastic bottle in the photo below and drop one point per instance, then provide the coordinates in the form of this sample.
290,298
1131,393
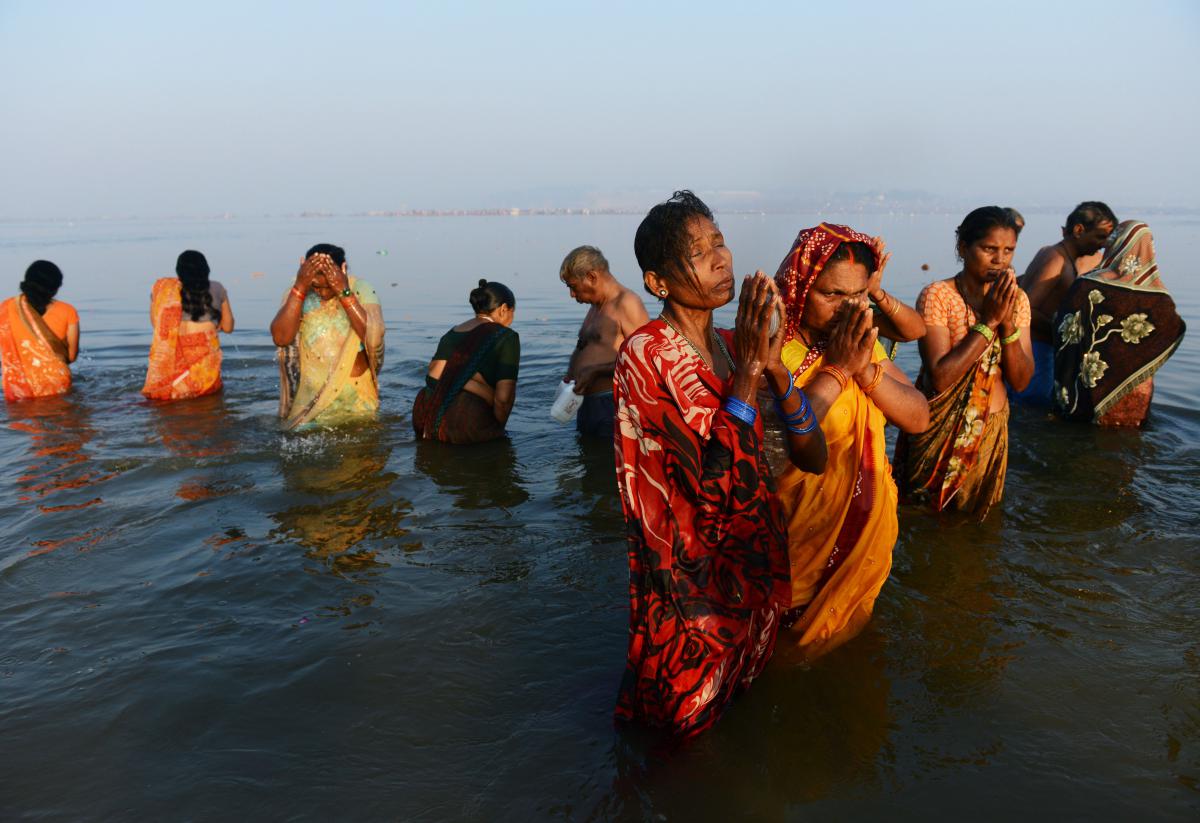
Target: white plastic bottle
566,402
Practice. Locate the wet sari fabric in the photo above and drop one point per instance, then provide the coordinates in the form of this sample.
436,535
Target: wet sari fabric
1115,328
841,524
181,365
445,411
708,574
31,368
960,461
317,387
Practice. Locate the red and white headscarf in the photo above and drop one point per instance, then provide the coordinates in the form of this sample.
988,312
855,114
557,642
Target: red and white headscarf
804,263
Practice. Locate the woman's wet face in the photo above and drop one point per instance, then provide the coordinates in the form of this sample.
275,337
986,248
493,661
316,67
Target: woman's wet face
840,281
991,255
712,262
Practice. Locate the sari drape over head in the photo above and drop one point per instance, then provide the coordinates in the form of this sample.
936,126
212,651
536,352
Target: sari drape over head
960,461
447,412
1115,328
842,524
708,575
181,365
315,382
32,366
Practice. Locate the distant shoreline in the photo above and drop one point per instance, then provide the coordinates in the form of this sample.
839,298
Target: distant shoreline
399,214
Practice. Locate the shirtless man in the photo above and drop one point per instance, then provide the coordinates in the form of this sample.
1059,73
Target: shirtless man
1053,270
616,312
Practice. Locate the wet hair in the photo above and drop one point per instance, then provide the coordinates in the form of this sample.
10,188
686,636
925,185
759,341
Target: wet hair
42,281
336,252
581,261
976,225
1089,214
192,270
662,242
854,252
490,295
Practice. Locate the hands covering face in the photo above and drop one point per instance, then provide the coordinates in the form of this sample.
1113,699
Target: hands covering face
319,271
853,338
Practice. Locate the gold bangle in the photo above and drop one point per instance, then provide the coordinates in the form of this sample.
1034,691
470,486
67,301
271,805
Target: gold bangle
299,295
874,382
837,374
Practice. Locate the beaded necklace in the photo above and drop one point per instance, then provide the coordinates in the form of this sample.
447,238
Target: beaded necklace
700,354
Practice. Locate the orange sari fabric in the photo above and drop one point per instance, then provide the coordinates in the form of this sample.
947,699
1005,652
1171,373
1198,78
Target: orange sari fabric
842,524
31,368
181,365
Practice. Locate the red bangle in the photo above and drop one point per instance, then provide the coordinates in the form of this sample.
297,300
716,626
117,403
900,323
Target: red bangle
299,294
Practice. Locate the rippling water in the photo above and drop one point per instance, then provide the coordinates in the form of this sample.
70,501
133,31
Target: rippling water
204,618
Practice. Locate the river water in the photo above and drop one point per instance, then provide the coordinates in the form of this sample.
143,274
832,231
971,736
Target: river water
203,618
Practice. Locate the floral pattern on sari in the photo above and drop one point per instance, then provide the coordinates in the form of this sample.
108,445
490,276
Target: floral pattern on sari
317,387
1116,327
181,366
31,368
708,569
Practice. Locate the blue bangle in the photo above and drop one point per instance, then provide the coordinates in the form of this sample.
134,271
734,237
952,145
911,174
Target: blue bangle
791,386
804,429
799,414
741,410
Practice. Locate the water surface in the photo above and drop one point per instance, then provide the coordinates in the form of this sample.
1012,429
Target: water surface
205,618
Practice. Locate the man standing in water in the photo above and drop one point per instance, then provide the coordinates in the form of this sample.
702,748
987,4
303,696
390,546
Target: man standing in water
616,312
1053,270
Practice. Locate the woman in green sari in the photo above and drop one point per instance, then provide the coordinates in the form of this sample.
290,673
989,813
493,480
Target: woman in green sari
472,379
330,337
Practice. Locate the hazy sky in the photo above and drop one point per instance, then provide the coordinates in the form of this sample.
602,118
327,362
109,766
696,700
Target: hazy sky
166,108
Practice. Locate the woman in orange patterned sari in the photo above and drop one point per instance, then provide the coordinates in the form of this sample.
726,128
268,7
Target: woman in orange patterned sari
187,312
977,332
39,336
841,524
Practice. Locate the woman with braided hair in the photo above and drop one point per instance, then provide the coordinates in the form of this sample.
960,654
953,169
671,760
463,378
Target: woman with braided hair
186,312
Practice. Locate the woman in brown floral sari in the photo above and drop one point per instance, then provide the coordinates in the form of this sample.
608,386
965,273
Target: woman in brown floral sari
1115,328
977,331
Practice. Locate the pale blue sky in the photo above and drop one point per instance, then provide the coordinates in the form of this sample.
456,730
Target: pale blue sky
158,109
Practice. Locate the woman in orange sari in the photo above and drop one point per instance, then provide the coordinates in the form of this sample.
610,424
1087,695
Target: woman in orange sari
39,336
186,311
841,524
977,333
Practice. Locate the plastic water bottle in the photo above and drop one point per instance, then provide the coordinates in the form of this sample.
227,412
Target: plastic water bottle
566,402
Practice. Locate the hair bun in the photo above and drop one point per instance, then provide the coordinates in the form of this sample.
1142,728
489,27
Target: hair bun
482,282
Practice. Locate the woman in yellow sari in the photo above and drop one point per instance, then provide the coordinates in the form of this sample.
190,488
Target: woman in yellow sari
330,337
39,336
187,311
841,524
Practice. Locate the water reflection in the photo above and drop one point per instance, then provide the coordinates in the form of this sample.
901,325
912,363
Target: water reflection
480,476
59,430
202,429
343,511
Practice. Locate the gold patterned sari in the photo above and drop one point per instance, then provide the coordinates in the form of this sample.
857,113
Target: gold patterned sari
317,387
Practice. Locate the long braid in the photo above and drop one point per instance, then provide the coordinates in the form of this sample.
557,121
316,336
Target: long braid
195,296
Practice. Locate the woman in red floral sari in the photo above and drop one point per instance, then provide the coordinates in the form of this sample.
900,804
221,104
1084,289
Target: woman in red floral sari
708,563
